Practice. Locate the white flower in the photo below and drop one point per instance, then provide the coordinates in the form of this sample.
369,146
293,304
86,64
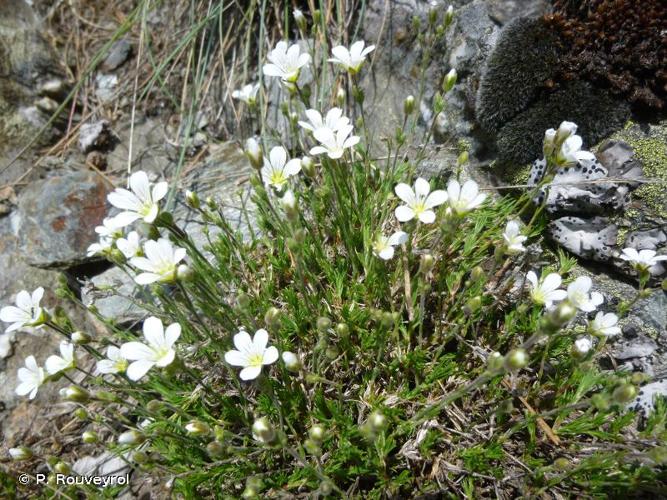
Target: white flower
157,351
27,311
513,238
334,143
384,246
334,120
160,263
103,245
353,58
570,152
579,297
277,170
251,353
247,94
285,62
139,203
466,198
549,143
55,364
582,346
604,325
642,259
31,378
565,130
292,361
545,292
418,202
115,362
110,228
130,246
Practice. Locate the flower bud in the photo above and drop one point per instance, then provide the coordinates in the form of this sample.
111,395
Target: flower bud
426,263
581,347
154,406
80,338
197,428
299,19
462,158
343,330
317,16
89,437
184,272
192,199
263,431
341,95
624,393
254,153
495,362
432,17
438,103
516,359
243,300
473,305
323,324
331,352
81,413
600,401
312,447
20,453
253,486
317,433
358,94
292,361
272,318
449,16
215,449
75,393
211,203
288,202
140,457
308,166
409,105
450,80
549,143
477,273
561,463
562,314
377,421
62,468
565,130
131,437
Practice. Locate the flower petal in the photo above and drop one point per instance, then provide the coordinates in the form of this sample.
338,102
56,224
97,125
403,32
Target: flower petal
250,372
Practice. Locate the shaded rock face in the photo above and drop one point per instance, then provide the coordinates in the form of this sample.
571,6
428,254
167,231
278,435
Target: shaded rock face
58,217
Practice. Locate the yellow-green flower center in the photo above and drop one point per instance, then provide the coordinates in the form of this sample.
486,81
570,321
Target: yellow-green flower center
277,178
255,360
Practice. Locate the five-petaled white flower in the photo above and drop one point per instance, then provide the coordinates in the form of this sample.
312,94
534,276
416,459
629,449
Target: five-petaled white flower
464,199
157,351
247,94
108,231
383,246
27,311
139,203
251,353
418,202
353,58
334,120
513,238
55,364
160,263
130,246
114,362
545,292
604,325
579,296
334,143
286,62
31,378
277,170
642,260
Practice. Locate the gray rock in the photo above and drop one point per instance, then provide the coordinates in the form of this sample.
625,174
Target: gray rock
119,52
114,294
96,136
106,87
504,11
587,238
105,465
645,401
638,348
56,229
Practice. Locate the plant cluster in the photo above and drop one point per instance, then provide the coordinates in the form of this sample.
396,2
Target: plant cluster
375,335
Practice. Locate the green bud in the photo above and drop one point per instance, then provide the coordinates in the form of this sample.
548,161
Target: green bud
477,273
263,430
80,338
299,19
154,406
292,361
317,433
62,468
331,352
432,17
215,449
377,421
495,362
20,453
317,16
323,324
449,16
409,105
358,94
624,394
131,437
416,23
140,457
81,413
326,488
340,97
89,437
473,305
272,318
450,80
312,447
600,401
387,319
438,103
106,396
308,166
197,428
426,263
192,199
462,159
561,463
184,273
516,359
242,300
75,393
343,330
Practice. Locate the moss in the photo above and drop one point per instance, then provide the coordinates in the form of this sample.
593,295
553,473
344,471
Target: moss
521,175
651,150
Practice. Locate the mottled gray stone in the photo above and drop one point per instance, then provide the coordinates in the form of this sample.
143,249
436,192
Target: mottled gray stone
587,238
119,52
113,293
58,216
638,348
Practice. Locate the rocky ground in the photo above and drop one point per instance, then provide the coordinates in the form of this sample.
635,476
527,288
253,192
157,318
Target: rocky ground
53,185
